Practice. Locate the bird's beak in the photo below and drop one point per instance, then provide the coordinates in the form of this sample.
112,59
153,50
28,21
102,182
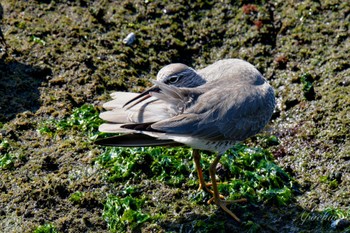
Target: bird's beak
141,97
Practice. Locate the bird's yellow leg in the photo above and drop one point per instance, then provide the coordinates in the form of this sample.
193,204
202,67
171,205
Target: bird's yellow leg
216,196
197,157
202,185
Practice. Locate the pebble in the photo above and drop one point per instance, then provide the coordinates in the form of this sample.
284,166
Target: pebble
129,39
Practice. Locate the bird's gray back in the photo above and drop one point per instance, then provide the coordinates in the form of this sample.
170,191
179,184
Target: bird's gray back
235,103
233,71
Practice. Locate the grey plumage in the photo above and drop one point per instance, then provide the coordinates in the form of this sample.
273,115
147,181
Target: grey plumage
219,105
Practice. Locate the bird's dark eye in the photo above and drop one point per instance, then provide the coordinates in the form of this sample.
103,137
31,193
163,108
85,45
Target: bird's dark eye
173,79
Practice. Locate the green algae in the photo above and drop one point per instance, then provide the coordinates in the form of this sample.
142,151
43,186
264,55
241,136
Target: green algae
84,119
7,161
123,213
76,197
244,173
46,228
308,88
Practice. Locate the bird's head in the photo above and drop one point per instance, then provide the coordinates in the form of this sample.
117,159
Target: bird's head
175,74
179,75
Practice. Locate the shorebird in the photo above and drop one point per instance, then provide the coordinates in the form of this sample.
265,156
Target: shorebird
210,109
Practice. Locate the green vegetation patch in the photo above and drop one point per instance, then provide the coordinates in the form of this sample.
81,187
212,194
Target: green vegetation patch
308,87
7,160
37,40
123,213
76,197
243,172
254,175
171,166
46,228
84,119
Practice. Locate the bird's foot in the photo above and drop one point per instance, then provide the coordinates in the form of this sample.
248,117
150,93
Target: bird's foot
223,203
205,188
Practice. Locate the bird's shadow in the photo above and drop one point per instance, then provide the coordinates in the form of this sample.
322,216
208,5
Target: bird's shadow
19,87
19,82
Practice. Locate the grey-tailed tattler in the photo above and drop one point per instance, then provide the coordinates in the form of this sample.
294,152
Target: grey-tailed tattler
209,109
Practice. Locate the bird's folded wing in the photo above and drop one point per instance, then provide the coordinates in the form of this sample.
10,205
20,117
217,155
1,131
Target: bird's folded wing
215,115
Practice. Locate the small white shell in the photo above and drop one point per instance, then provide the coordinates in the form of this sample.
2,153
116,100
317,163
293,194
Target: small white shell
129,39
